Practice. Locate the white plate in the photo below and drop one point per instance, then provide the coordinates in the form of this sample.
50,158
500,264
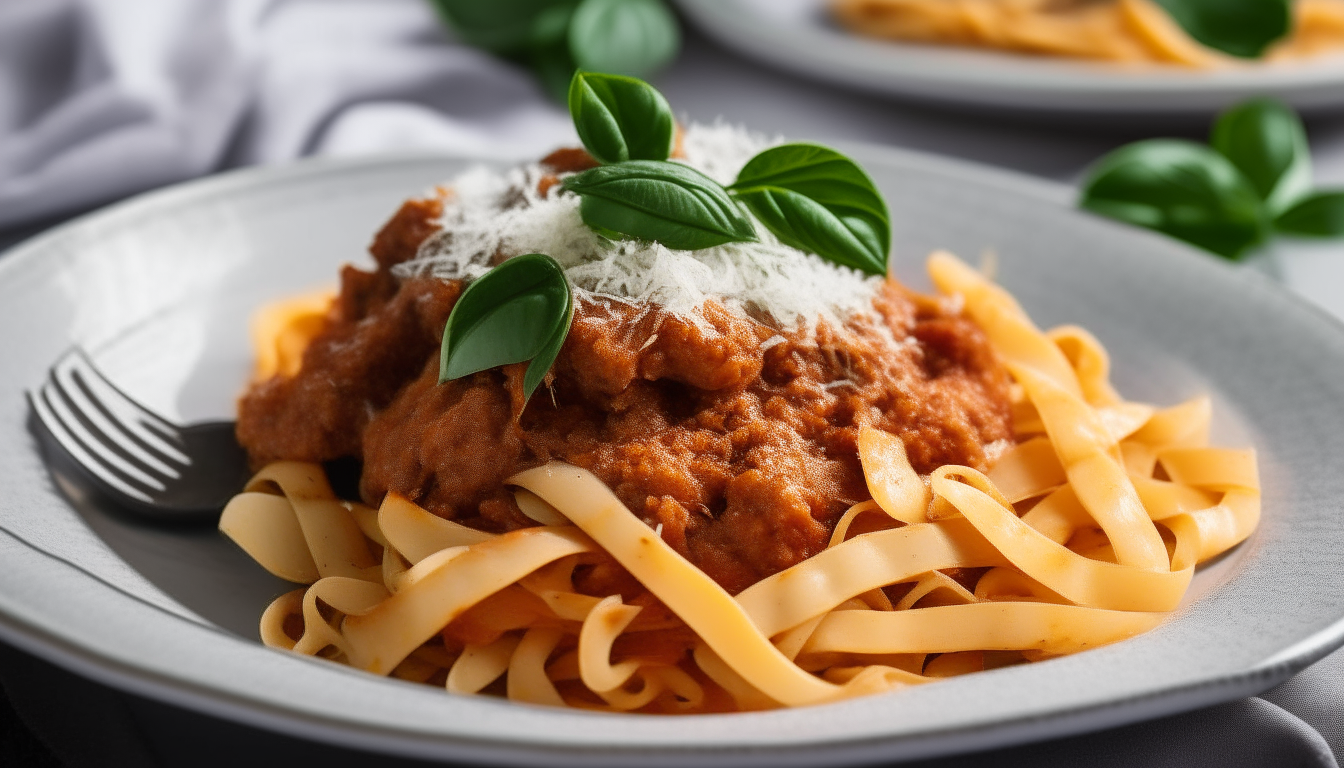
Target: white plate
796,35
159,288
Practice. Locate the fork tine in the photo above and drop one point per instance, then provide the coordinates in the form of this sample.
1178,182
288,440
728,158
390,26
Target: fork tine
106,406
101,445
57,429
68,389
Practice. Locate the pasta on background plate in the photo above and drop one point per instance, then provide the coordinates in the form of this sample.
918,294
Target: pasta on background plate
1086,531
1122,31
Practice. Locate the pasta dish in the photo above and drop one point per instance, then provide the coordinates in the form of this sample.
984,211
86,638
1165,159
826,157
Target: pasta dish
750,479
1131,31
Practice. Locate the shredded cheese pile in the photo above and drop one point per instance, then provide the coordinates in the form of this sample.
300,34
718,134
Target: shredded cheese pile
494,211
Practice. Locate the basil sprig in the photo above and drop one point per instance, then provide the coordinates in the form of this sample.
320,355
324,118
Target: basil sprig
817,200
811,197
621,118
1243,28
671,203
556,37
518,311
1319,214
1181,188
1252,181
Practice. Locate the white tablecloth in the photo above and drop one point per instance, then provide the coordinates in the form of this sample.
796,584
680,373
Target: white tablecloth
105,98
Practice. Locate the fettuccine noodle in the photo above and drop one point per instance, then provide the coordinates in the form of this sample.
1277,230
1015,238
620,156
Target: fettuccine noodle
1085,533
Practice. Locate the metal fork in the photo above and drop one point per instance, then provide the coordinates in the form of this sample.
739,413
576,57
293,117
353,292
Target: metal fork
143,462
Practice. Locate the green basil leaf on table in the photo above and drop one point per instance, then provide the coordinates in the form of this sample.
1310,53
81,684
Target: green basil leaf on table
518,311
626,37
1243,28
1181,188
553,67
503,27
1317,215
550,25
1267,143
620,118
548,53
816,199
663,201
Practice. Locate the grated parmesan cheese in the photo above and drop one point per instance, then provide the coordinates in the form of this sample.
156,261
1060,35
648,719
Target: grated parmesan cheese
495,212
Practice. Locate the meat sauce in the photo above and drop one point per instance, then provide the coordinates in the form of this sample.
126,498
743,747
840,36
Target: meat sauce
737,438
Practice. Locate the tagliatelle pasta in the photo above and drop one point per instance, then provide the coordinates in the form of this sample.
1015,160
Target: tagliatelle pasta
281,331
1085,533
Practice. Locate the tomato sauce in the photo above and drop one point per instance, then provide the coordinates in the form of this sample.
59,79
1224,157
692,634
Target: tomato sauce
735,437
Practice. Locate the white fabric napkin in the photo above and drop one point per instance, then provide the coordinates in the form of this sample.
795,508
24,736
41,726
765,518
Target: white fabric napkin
103,98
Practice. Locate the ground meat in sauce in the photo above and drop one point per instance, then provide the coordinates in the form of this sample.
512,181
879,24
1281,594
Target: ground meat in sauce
738,440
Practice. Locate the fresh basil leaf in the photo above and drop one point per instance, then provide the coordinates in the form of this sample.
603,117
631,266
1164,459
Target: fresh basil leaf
521,310
1318,215
1181,188
1267,143
818,200
671,203
545,357
503,27
805,224
621,118
625,37
1242,28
